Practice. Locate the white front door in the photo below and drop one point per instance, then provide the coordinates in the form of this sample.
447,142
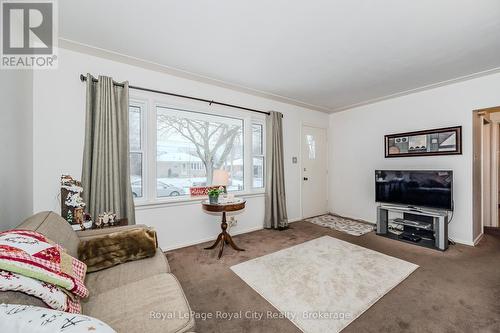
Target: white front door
314,171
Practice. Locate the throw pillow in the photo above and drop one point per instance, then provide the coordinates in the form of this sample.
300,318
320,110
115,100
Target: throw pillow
31,254
118,247
27,319
50,294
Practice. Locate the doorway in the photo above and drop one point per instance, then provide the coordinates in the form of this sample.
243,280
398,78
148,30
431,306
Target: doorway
314,171
486,170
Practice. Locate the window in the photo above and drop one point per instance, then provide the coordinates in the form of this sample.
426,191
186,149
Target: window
186,145
311,145
258,155
136,149
205,142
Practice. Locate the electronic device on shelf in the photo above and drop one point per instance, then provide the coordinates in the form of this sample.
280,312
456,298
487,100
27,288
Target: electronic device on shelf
411,223
410,236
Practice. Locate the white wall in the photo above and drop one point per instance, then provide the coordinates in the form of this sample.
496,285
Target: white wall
357,146
59,120
16,150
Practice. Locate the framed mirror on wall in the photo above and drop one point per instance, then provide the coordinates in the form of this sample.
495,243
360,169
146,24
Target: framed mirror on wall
439,141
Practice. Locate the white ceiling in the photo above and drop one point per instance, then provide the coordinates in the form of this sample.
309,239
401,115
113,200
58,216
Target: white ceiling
331,54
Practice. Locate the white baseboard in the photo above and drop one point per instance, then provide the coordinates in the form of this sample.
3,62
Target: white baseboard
463,242
352,218
458,241
292,220
478,239
207,239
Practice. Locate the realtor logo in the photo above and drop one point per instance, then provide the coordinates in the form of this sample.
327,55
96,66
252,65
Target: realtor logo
29,38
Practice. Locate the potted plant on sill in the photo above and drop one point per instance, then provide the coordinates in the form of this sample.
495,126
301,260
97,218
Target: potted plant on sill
213,195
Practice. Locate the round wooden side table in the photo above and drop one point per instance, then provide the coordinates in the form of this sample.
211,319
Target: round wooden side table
224,237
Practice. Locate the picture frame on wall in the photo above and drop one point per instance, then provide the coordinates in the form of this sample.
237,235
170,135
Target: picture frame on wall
439,141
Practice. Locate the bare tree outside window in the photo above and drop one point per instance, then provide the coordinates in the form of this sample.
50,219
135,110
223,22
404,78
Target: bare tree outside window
187,138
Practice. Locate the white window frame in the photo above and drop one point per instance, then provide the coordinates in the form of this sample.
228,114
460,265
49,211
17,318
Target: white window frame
151,102
262,123
143,106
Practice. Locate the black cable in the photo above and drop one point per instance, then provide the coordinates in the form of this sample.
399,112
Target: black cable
452,211
451,218
451,241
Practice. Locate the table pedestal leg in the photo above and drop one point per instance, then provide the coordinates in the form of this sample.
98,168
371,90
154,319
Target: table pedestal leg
224,238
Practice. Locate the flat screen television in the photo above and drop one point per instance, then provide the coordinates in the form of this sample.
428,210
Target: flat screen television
418,188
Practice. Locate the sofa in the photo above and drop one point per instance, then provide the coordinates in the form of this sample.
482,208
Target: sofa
137,296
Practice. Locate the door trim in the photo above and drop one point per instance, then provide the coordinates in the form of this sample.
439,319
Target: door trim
301,173
477,165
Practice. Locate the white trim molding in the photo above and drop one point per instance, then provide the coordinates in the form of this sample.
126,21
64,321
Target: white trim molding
478,239
419,89
115,56
207,239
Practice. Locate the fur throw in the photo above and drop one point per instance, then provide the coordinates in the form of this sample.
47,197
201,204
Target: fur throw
116,248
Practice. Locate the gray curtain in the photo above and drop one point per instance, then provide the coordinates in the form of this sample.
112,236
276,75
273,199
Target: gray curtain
275,216
106,168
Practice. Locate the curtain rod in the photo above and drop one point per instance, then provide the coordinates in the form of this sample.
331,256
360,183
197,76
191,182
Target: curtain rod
84,78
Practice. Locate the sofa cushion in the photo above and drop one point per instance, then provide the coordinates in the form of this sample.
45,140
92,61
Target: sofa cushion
53,227
132,307
120,275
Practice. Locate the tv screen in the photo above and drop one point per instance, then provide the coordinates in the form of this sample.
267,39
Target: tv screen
432,189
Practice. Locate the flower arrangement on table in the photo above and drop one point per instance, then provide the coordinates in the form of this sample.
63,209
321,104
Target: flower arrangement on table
213,194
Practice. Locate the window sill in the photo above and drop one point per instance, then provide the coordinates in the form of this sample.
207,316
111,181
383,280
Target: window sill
188,200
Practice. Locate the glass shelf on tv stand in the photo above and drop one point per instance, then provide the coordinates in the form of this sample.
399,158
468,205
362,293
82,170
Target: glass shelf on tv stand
414,210
409,223
433,234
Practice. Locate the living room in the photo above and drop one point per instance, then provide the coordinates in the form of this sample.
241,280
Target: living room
250,166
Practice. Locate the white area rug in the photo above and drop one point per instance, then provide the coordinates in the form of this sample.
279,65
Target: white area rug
349,226
323,284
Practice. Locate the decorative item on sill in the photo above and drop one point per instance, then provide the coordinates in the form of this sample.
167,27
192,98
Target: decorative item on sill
99,221
79,217
72,205
201,191
105,219
112,218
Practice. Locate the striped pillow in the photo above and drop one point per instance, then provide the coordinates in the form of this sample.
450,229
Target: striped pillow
31,254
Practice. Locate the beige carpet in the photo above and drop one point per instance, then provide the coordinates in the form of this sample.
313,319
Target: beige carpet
323,284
